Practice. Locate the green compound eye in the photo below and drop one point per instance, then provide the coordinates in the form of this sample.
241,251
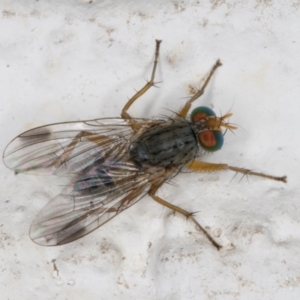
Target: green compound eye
201,112
210,140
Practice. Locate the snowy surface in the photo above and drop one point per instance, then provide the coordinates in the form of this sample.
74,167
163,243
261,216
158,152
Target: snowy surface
76,60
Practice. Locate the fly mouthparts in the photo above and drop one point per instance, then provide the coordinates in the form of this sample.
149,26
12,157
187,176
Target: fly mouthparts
216,123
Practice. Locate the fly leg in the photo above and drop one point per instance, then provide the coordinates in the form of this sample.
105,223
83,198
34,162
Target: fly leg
183,112
92,137
188,215
124,114
200,166
59,159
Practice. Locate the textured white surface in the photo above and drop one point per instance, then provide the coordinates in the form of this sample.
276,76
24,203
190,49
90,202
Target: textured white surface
81,60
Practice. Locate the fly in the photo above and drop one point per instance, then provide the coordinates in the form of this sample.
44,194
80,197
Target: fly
115,162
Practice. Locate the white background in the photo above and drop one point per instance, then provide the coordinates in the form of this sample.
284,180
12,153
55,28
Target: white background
76,60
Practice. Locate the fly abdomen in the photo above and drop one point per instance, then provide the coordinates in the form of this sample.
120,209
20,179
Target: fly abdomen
168,144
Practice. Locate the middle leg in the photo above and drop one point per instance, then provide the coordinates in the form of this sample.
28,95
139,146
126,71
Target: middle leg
201,166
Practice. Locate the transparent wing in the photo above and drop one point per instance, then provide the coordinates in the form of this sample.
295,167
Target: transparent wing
65,148
89,202
96,153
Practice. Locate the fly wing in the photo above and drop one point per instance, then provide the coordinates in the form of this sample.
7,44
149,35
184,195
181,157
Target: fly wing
93,199
67,148
96,153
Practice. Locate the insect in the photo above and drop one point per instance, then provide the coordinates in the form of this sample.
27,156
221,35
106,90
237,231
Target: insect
115,162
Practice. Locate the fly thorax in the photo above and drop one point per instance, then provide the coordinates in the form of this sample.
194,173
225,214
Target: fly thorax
172,143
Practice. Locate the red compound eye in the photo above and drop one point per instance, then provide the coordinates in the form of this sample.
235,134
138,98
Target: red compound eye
201,112
199,116
210,140
207,139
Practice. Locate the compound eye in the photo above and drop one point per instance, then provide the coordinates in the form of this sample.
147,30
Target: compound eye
210,140
200,113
